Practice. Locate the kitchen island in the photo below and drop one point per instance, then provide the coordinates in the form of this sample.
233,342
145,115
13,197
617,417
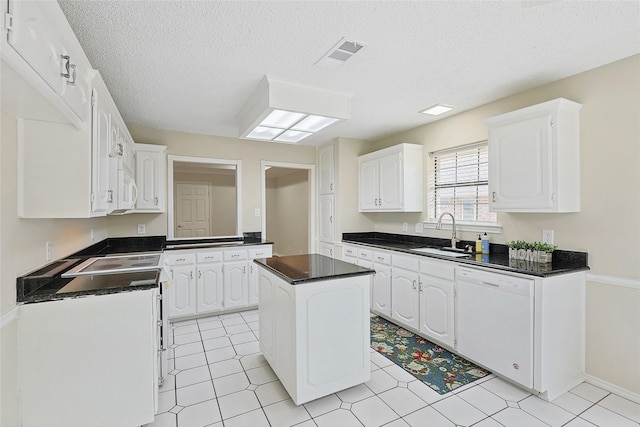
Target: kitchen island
314,323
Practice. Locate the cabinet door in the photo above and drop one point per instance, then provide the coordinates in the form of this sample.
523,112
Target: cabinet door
182,293
325,170
235,284
436,309
37,41
327,227
326,249
254,287
404,297
368,194
149,174
102,190
390,181
382,290
520,175
76,86
209,290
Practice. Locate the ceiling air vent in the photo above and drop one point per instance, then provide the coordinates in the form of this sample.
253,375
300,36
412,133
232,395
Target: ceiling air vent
339,53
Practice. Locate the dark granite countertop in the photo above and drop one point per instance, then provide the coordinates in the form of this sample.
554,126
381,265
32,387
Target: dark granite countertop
300,269
214,243
498,258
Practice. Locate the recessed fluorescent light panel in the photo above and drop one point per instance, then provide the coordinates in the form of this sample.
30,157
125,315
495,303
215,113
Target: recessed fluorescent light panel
436,110
281,111
339,53
289,126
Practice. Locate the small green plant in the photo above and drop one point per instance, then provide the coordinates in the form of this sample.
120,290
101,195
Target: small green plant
535,246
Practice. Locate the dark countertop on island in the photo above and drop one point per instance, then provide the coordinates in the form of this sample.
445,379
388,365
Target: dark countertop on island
301,269
498,258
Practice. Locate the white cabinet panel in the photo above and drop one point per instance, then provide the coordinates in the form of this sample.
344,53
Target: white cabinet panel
391,179
209,287
437,309
534,159
327,227
404,297
381,293
236,284
151,176
182,292
326,170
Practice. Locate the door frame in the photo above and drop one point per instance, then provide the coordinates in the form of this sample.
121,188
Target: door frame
312,224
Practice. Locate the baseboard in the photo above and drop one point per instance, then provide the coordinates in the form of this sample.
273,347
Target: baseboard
8,316
613,280
622,392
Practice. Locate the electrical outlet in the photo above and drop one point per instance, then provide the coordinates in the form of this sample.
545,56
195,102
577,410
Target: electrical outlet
256,212
405,226
547,236
419,227
141,229
48,247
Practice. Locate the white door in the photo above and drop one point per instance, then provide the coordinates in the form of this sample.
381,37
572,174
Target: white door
327,227
182,293
382,290
235,284
102,190
325,170
404,297
368,184
436,309
390,181
192,210
520,165
209,287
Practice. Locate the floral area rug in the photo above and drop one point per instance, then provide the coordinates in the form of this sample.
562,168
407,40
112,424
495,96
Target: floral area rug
438,368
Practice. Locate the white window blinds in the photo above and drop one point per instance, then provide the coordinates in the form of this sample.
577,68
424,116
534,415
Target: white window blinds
460,183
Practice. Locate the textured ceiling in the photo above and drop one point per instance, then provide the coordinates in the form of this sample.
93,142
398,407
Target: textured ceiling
190,65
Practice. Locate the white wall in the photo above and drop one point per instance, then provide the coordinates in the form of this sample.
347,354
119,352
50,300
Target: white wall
608,225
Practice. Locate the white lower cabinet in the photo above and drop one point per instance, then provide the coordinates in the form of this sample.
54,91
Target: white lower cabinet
381,288
404,291
437,303
205,281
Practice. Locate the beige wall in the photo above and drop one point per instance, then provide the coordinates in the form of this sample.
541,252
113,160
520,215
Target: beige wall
222,209
288,203
22,249
186,144
608,225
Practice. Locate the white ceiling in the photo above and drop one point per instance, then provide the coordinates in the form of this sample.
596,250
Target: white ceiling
191,65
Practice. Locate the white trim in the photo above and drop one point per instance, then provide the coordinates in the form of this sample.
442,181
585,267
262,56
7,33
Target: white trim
9,316
477,227
622,392
613,280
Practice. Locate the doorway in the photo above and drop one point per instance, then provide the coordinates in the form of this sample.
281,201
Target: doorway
288,206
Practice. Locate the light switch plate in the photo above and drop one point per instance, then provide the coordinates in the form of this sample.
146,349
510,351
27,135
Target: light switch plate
141,229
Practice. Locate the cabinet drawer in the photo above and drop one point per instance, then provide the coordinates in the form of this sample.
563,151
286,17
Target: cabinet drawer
204,257
264,252
382,258
180,259
444,270
235,255
349,251
366,254
406,262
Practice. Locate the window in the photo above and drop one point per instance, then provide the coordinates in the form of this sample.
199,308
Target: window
459,184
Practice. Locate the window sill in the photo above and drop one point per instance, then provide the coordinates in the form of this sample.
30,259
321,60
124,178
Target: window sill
476,227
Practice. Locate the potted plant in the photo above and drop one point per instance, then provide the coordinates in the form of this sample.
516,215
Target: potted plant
536,251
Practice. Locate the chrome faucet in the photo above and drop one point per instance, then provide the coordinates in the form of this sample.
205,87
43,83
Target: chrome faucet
454,240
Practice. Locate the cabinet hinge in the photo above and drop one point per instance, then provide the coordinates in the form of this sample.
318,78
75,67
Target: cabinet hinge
553,123
8,21
93,100
93,198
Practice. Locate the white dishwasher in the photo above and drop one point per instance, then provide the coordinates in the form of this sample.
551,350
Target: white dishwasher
495,322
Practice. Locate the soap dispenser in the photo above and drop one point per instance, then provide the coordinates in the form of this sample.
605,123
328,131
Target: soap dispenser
485,243
478,245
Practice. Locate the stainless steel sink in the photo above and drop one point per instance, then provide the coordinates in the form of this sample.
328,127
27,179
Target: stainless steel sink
436,251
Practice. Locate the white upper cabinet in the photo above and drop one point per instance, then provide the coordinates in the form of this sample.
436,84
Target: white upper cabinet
534,158
326,170
103,183
41,46
151,177
390,180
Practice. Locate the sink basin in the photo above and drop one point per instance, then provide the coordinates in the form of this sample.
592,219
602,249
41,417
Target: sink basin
435,251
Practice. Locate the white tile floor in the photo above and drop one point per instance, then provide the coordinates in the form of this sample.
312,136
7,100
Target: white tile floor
219,378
